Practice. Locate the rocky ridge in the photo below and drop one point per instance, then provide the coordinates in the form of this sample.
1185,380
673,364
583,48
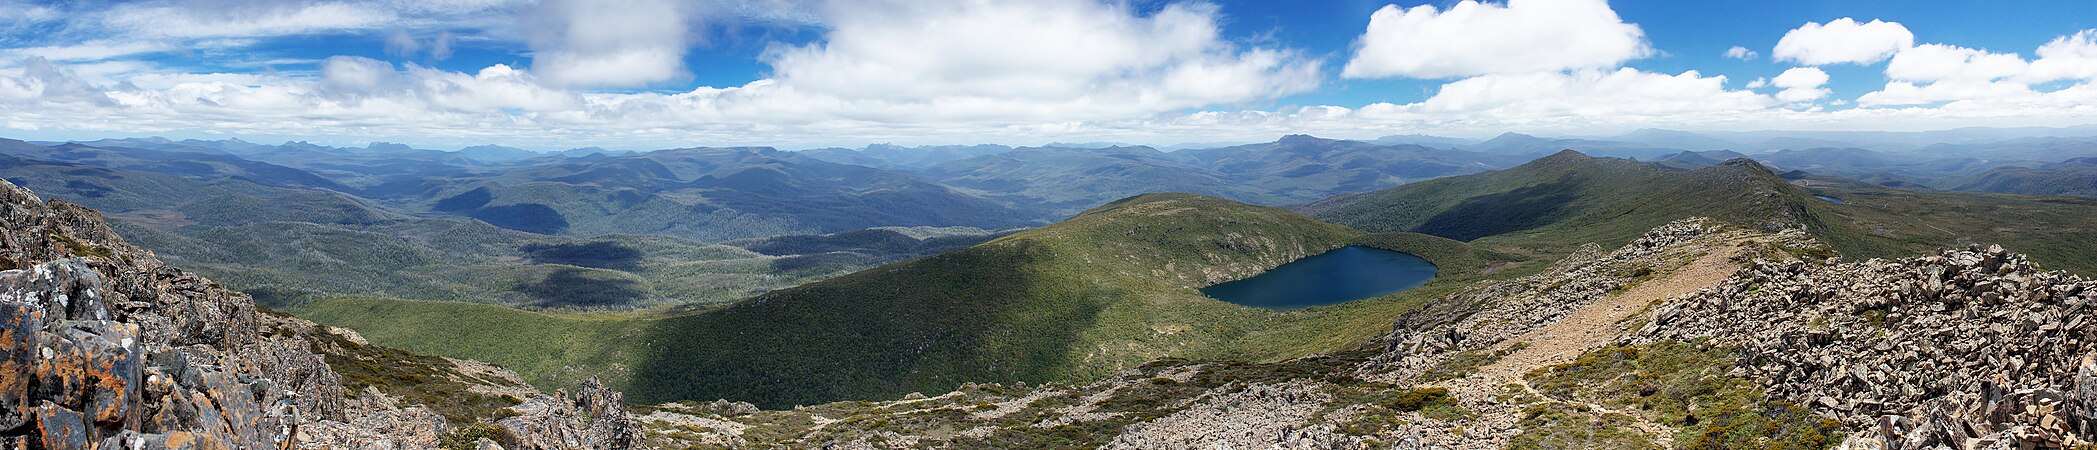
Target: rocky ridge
104,346
1968,348
1489,314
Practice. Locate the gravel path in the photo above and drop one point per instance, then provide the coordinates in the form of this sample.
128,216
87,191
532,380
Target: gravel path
1584,329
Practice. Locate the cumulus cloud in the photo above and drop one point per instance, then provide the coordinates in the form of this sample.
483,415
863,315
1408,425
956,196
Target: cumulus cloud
1953,75
1939,62
1801,84
1902,93
1582,95
355,75
586,44
1843,41
1039,58
40,81
1741,53
1473,38
2067,58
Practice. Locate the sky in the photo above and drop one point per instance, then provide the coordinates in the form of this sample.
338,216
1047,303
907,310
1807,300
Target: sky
643,74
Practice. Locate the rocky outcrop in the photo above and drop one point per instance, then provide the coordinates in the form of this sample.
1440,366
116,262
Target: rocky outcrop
104,346
1969,348
1260,416
108,347
595,418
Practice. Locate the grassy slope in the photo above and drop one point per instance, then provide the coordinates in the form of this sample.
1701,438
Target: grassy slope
547,349
1559,202
1107,290
1556,203
2057,232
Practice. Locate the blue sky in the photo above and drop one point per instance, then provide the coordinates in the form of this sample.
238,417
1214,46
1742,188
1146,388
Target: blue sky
802,73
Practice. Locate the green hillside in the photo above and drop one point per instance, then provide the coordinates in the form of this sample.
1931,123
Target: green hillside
1556,203
1568,199
2077,177
1110,289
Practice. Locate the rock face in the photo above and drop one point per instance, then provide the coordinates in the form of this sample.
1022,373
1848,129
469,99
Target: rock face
104,346
595,418
1969,348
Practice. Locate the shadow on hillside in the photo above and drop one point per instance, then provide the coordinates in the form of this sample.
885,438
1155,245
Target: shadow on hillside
525,217
579,288
1505,212
924,327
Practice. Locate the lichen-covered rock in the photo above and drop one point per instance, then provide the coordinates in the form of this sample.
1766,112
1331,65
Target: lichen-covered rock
104,346
594,418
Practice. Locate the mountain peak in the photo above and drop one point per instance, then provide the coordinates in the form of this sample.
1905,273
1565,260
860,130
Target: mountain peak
1566,155
1301,139
1513,136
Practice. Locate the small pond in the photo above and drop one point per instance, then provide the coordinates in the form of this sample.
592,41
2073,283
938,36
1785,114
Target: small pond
1339,276
1831,199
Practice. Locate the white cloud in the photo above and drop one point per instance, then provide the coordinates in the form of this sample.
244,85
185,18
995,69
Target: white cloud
586,44
1901,93
1939,62
18,15
1472,38
401,44
1758,83
92,50
356,75
243,19
1057,59
40,81
1581,95
1842,41
1971,79
1741,53
2067,58
440,48
1801,84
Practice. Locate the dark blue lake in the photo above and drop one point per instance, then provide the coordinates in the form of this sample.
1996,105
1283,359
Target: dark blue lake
1339,276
